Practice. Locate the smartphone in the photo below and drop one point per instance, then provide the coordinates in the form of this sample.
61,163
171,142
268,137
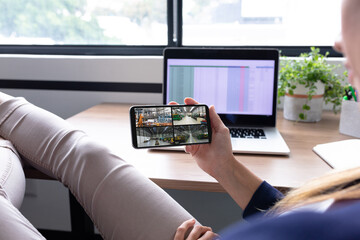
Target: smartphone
169,125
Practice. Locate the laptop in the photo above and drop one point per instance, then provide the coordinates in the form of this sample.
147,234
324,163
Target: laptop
240,83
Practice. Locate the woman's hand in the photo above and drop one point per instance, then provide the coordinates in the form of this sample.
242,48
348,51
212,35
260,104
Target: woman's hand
217,156
217,160
196,232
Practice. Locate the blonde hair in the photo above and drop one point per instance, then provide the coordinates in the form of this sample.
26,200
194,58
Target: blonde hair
343,185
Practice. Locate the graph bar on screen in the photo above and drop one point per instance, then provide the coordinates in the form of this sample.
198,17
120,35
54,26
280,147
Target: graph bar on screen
182,84
237,89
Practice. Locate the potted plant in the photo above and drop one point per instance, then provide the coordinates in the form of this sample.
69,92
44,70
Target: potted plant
306,83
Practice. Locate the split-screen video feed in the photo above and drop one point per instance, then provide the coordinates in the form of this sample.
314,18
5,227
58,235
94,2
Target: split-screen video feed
166,126
189,115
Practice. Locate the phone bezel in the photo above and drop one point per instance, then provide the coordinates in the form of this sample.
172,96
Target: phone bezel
133,126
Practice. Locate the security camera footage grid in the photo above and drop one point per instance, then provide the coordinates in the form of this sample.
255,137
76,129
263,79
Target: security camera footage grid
168,126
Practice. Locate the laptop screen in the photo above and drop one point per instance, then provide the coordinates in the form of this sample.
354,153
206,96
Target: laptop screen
233,86
240,83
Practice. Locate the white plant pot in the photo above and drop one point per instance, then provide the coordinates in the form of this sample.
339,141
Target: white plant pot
293,104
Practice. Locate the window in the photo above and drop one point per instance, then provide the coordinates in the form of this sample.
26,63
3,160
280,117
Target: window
83,22
261,22
138,27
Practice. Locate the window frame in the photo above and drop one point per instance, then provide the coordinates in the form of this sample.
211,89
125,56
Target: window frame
174,22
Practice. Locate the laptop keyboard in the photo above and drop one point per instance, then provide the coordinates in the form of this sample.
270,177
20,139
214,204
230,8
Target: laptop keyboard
247,133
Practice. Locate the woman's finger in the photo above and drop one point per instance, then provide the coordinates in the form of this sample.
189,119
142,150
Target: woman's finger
197,232
190,101
173,103
209,236
215,120
188,148
183,229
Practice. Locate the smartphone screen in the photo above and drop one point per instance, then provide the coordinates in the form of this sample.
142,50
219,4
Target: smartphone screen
169,125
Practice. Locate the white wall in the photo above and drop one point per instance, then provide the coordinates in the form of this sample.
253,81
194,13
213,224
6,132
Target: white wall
82,68
88,69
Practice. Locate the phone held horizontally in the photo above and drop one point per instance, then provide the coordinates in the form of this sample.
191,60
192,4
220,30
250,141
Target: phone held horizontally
169,125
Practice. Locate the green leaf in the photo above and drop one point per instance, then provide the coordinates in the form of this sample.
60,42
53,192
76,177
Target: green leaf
306,107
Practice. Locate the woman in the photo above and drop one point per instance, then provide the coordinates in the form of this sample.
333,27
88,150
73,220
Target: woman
325,208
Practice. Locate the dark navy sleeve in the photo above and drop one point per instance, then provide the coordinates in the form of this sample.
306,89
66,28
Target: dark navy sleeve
335,224
263,199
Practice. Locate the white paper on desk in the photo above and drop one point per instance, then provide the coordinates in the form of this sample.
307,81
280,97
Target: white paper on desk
340,155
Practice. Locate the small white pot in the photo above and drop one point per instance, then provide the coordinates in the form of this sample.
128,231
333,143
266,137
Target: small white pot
293,104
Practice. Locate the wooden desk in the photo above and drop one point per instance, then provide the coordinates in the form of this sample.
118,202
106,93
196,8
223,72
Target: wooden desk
110,125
